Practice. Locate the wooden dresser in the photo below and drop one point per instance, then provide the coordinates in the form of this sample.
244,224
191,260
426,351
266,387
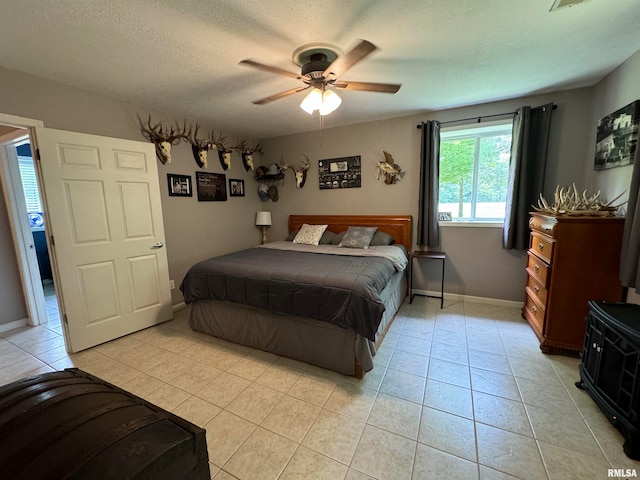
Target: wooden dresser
571,260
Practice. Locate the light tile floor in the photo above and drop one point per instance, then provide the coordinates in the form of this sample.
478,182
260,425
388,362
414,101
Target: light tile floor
459,393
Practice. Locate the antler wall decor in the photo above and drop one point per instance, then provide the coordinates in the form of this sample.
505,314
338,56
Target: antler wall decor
301,172
247,153
163,139
201,148
390,170
224,154
571,202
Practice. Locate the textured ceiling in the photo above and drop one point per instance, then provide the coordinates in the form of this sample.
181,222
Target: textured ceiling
181,57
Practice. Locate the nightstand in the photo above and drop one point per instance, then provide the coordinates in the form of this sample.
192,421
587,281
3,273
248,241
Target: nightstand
422,254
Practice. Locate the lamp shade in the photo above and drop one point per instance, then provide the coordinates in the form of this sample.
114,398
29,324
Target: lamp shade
263,219
330,102
325,102
312,101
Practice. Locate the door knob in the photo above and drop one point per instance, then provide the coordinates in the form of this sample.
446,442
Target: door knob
158,245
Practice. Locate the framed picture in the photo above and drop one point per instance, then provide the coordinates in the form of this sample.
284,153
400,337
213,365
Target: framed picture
342,172
212,187
236,187
617,137
179,185
444,216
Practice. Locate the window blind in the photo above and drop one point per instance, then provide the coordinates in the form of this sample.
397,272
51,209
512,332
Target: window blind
30,184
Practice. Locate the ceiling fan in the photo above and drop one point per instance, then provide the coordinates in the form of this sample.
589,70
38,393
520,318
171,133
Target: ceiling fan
322,65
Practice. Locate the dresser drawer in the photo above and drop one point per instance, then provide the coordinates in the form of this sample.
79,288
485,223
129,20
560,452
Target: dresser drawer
542,245
538,269
536,289
535,312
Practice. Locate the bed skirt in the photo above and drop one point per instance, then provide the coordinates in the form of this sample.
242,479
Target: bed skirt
308,340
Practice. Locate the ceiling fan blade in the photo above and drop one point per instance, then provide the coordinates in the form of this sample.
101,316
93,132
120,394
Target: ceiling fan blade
349,59
277,96
268,68
368,87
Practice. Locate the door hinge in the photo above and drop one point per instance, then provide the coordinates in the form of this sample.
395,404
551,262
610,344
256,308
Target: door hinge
64,316
37,154
53,243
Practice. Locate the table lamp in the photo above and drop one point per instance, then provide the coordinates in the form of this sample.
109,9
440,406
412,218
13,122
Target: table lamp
263,220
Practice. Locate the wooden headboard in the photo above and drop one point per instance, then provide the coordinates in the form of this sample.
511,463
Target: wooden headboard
398,226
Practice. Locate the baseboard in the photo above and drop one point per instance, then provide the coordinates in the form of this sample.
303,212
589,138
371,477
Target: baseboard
470,298
178,306
5,327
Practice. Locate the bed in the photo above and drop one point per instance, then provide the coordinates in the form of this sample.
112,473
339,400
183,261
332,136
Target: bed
287,314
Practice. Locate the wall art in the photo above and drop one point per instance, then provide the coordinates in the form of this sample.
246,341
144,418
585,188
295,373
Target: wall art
236,187
212,187
179,185
617,137
342,172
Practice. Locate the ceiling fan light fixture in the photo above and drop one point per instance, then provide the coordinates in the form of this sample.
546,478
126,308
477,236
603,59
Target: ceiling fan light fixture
325,103
312,101
330,102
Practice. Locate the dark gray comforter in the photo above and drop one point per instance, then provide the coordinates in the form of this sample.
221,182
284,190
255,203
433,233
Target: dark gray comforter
343,290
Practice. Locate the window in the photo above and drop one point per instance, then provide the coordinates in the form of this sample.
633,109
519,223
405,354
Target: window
474,171
29,184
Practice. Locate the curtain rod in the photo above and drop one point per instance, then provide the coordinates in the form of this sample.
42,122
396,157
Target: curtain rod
480,117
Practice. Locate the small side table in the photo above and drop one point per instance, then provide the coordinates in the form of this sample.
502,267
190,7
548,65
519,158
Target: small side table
418,254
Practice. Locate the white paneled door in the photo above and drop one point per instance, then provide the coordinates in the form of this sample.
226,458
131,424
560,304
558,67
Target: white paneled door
104,213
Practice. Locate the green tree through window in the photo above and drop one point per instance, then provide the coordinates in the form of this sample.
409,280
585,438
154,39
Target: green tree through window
474,169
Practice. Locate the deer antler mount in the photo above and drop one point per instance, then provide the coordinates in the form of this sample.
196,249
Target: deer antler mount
247,154
163,139
201,148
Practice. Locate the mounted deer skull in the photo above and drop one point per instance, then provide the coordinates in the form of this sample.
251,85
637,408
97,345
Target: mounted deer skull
224,154
201,148
301,172
163,140
247,154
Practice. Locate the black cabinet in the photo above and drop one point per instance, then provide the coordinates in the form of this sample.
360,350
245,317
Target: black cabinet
610,367
42,252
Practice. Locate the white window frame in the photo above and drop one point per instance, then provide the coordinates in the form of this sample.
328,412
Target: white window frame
30,184
488,129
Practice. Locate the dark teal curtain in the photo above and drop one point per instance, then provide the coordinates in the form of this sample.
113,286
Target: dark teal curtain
428,227
630,254
529,141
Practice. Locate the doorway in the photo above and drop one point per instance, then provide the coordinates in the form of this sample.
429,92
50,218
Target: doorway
15,131
33,202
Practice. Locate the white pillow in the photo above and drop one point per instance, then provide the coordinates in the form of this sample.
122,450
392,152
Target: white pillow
310,234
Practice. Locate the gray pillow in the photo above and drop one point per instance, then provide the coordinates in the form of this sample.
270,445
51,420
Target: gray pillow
338,238
358,237
326,239
291,236
381,238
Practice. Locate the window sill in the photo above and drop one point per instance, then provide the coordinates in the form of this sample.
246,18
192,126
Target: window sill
454,223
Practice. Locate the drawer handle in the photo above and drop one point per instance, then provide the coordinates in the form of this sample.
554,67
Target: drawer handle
536,288
536,268
534,309
541,246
